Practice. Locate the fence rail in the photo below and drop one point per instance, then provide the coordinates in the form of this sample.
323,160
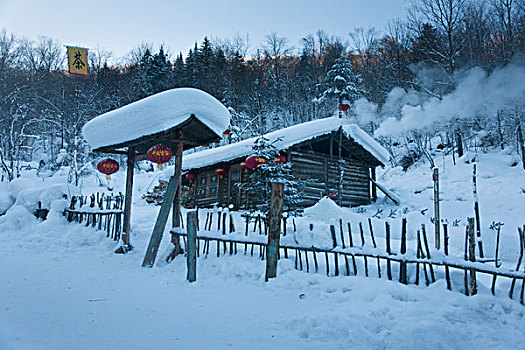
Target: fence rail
101,211
350,260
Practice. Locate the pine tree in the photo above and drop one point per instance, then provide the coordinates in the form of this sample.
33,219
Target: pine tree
259,188
341,82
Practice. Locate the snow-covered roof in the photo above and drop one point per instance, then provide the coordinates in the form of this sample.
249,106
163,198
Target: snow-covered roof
286,138
154,114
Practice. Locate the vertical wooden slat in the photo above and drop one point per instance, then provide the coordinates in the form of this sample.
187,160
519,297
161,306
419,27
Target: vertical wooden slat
472,256
388,251
403,250
437,218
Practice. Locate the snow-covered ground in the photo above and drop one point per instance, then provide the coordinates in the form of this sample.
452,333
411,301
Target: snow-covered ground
63,288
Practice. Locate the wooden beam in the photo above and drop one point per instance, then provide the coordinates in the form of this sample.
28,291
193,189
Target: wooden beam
160,224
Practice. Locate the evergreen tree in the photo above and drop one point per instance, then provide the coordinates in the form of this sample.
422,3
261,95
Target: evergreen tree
259,188
341,82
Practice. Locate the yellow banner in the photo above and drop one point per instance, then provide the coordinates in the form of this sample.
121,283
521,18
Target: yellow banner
77,59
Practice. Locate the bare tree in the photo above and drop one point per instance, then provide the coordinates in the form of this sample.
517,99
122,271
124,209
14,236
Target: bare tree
45,55
447,17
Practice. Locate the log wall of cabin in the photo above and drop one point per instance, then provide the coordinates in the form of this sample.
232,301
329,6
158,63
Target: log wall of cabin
322,174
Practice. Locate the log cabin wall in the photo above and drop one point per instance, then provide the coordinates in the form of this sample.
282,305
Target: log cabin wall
322,174
315,161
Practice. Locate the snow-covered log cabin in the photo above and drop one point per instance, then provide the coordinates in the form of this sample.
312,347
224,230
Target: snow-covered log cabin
313,149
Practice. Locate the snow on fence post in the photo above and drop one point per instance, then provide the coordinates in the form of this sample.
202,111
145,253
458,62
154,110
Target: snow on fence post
437,218
191,254
276,212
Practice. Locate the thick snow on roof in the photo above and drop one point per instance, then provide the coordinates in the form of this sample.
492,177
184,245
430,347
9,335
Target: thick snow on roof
155,114
287,137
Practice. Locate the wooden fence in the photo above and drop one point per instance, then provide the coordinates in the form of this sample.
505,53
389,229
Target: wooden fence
100,211
351,254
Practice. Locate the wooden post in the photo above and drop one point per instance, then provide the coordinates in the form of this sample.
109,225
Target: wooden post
374,187
388,251
191,256
276,212
472,255
521,144
437,218
175,215
160,224
130,163
476,210
403,250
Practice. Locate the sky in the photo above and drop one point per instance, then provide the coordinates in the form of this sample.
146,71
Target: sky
119,26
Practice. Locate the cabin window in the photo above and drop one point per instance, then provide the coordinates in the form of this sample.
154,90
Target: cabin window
235,176
203,180
213,179
213,191
202,192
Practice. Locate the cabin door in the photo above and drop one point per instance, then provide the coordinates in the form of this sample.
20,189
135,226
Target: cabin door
234,189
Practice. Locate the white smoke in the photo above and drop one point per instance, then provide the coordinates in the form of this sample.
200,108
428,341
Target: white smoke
477,94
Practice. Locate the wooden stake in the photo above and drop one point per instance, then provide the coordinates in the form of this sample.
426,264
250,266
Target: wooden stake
341,233
388,251
403,250
472,256
437,219
191,259
350,241
476,211
372,232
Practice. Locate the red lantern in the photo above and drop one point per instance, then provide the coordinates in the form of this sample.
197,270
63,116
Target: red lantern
344,107
280,160
220,172
227,132
108,167
244,166
190,177
254,161
159,154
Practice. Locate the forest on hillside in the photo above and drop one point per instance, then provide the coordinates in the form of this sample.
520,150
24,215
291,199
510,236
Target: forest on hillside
452,70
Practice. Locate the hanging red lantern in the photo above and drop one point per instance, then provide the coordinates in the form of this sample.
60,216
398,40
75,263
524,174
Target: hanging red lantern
220,172
344,107
280,160
190,177
254,161
227,132
244,166
159,154
108,167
